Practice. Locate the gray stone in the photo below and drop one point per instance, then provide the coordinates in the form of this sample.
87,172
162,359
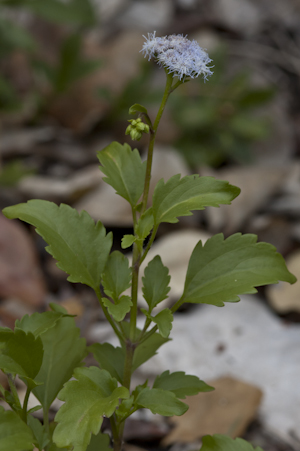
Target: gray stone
245,341
148,15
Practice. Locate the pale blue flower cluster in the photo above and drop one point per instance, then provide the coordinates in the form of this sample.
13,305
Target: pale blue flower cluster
179,55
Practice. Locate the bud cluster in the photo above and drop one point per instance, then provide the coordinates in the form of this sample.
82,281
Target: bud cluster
136,129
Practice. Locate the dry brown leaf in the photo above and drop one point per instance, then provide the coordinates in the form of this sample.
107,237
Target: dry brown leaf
73,305
284,297
20,274
227,410
257,185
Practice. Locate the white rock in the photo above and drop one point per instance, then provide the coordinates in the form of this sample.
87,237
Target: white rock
148,15
283,296
45,187
107,9
257,183
240,15
259,349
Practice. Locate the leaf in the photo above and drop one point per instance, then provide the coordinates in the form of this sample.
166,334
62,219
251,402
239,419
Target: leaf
119,309
58,308
178,197
117,275
63,351
163,320
38,323
145,224
110,359
39,432
137,108
22,355
5,334
160,401
125,408
76,11
26,350
80,246
156,282
220,442
147,349
181,384
222,269
99,442
127,241
94,394
124,170
15,435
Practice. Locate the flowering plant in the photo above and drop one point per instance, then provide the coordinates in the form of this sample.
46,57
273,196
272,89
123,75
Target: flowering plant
45,349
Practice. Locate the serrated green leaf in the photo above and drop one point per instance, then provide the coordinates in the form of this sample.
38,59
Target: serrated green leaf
80,247
137,108
124,170
118,310
35,408
110,359
27,350
220,442
163,320
5,334
15,435
222,269
63,351
94,394
125,407
58,308
127,241
22,355
145,224
155,282
117,275
147,349
99,442
160,401
178,197
38,323
39,432
181,384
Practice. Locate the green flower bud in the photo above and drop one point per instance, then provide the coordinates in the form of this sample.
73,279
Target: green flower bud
136,129
135,135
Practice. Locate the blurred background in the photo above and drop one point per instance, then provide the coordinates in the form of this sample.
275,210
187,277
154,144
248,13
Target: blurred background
69,71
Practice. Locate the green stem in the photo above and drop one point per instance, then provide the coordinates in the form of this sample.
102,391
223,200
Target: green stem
154,329
109,319
148,334
25,404
130,347
177,304
168,90
137,258
150,242
13,390
116,436
46,424
146,325
134,290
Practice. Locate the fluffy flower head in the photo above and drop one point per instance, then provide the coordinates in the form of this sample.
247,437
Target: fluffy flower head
179,55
